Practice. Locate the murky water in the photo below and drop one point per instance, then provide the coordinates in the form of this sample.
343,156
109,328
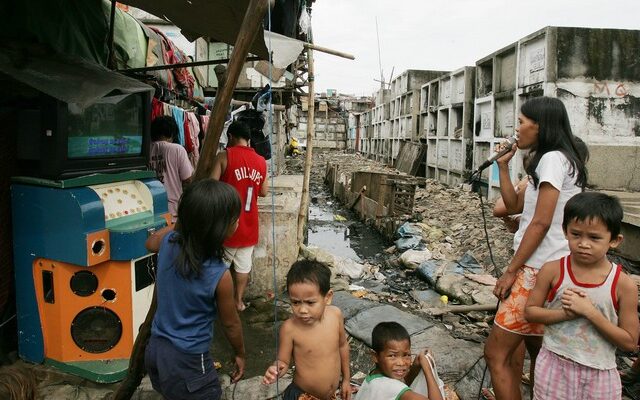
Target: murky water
337,230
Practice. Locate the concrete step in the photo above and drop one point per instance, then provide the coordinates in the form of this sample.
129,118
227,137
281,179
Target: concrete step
630,204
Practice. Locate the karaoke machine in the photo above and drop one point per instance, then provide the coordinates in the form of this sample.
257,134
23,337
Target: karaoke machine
84,280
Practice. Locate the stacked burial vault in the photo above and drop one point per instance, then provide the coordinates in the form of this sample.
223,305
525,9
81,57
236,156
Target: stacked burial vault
460,115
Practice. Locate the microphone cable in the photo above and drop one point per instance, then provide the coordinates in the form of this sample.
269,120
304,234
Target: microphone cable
474,180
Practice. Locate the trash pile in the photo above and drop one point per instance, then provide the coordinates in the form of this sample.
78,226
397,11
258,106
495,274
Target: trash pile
452,219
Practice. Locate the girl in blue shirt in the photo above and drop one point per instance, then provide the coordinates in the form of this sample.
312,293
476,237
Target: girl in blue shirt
194,288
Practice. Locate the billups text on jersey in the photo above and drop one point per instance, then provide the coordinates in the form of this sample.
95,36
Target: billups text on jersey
248,173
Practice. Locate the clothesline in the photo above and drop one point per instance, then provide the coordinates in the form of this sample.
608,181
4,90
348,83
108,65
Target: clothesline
191,126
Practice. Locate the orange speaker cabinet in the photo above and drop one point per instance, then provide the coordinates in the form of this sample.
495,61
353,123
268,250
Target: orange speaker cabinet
88,313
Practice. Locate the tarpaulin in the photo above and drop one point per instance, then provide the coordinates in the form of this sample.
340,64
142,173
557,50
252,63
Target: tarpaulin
70,80
220,20
76,27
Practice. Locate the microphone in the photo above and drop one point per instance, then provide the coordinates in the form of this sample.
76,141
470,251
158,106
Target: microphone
508,145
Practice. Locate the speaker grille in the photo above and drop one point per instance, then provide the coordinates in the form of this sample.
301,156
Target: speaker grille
84,283
96,329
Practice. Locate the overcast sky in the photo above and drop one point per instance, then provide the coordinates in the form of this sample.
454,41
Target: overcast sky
439,34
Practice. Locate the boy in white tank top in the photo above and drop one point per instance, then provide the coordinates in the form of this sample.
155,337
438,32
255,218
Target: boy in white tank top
587,304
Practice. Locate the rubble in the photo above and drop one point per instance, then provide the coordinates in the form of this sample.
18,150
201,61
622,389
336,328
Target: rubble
339,265
411,259
454,218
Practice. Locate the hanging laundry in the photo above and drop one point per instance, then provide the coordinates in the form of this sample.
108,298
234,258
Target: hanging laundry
194,130
157,56
205,124
157,108
166,109
173,55
188,142
178,115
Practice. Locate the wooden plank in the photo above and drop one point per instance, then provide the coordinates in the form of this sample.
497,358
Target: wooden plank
410,156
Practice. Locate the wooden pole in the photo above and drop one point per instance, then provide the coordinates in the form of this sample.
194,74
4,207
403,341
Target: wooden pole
304,201
328,51
250,26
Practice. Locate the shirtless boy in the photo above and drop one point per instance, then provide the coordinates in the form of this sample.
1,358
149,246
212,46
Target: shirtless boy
314,336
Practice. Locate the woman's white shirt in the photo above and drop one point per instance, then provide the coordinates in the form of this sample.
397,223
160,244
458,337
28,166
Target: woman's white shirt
555,169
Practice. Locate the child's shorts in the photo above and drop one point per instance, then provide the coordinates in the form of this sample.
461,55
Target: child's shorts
293,392
558,378
239,258
177,375
510,315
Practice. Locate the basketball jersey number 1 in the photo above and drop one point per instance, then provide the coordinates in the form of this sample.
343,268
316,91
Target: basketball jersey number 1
247,205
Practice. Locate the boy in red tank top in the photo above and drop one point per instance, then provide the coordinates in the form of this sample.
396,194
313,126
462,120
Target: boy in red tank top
241,167
588,306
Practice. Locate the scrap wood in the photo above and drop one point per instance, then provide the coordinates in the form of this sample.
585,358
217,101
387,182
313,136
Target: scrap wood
484,279
455,309
364,189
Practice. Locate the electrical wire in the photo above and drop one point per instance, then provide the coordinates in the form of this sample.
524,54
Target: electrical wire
486,232
7,320
273,201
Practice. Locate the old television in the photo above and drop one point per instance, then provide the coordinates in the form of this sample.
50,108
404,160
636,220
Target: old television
58,140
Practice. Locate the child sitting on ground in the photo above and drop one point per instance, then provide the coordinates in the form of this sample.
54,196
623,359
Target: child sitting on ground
587,304
314,336
394,370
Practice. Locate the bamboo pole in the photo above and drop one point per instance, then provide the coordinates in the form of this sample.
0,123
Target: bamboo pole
250,26
304,201
328,51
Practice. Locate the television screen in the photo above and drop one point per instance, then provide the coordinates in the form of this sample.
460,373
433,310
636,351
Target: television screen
112,127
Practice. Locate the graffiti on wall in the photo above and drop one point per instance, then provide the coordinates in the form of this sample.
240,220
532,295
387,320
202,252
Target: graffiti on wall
609,89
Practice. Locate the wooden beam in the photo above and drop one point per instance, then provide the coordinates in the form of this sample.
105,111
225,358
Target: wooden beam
328,51
250,27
